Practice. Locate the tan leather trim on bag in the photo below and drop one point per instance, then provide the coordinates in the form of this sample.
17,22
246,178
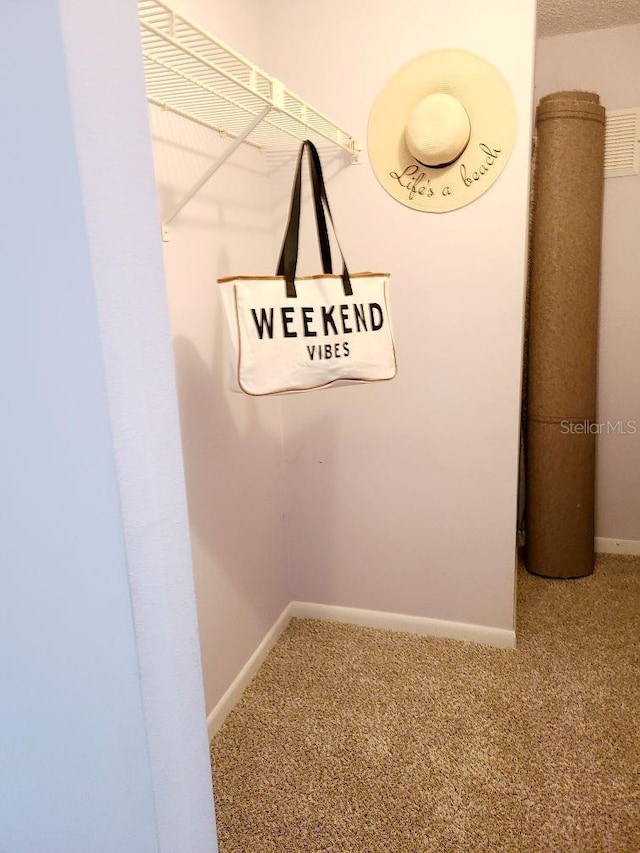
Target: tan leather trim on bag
299,277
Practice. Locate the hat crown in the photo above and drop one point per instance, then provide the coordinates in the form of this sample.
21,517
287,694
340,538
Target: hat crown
438,130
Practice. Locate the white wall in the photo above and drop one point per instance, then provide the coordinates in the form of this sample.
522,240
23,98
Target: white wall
606,62
402,497
75,766
398,498
232,444
121,215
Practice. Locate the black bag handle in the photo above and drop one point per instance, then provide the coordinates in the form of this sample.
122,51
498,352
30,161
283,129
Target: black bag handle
315,159
321,222
289,254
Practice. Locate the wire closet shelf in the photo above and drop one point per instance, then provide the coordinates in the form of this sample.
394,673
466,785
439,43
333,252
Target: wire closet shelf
192,73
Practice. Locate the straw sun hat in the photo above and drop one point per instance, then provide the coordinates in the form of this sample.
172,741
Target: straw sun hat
441,130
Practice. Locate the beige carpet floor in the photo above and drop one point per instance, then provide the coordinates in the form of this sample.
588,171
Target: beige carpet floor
355,740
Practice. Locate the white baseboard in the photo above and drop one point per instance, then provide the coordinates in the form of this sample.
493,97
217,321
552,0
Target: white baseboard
351,616
400,622
617,546
222,710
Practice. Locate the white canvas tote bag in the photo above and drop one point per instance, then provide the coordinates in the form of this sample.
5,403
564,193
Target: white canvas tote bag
293,333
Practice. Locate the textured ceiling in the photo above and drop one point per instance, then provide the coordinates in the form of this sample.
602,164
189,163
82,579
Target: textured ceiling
577,16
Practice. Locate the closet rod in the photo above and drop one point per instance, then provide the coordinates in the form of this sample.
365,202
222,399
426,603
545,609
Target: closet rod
195,75
192,71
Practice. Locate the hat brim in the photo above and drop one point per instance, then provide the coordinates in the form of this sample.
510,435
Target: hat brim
489,102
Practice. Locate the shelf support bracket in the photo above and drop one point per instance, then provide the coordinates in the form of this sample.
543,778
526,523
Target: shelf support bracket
211,171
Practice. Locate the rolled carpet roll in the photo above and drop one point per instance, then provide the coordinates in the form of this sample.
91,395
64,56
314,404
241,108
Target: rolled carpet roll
563,334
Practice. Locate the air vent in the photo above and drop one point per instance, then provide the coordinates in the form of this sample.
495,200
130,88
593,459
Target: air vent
622,142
